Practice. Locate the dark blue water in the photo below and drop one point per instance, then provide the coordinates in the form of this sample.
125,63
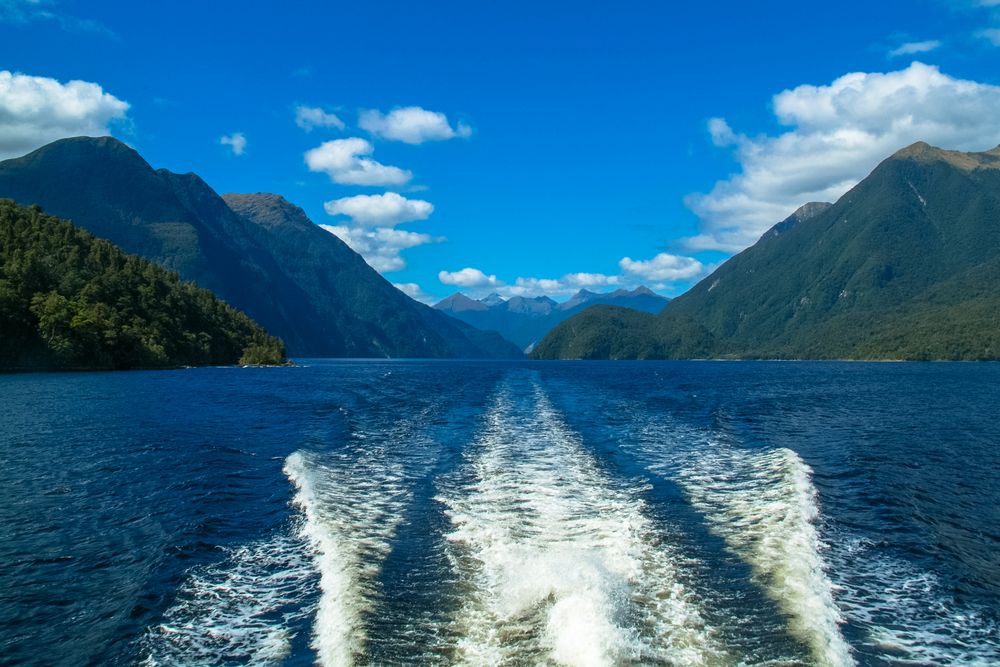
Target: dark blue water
495,513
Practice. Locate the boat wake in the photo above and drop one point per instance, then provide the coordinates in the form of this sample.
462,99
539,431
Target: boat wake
244,609
763,504
350,515
557,562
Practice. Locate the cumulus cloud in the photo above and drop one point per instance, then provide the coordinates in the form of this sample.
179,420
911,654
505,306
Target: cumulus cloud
371,232
385,210
468,277
839,133
414,291
411,125
663,268
309,118
381,246
344,161
236,141
911,48
36,110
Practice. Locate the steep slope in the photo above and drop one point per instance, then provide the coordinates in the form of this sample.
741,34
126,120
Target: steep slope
69,300
370,316
525,321
179,222
905,265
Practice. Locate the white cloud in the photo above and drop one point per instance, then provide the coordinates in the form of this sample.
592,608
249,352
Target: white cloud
371,230
36,110
992,34
309,118
839,133
663,268
468,277
722,134
381,246
236,141
414,291
344,162
558,287
910,48
411,125
385,210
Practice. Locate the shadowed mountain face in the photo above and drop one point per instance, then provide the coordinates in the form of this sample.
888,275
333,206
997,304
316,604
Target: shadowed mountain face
353,300
906,265
525,321
267,259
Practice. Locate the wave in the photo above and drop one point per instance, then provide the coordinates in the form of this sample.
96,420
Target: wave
351,510
763,504
908,616
246,608
558,563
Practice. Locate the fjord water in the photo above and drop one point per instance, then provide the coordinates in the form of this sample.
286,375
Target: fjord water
369,512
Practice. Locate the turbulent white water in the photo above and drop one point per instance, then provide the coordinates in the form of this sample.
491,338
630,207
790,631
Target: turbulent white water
560,564
763,504
351,509
243,609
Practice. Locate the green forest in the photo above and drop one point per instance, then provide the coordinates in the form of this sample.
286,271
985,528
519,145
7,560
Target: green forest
72,301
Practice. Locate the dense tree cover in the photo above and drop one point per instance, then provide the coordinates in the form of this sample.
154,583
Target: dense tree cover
904,266
69,300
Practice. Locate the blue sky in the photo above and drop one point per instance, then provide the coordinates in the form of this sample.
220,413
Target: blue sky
520,147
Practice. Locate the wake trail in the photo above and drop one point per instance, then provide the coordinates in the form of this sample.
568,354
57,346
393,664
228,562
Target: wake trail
558,561
763,504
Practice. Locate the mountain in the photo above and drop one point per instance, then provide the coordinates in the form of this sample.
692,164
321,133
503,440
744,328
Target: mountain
267,259
525,321
904,266
361,310
69,300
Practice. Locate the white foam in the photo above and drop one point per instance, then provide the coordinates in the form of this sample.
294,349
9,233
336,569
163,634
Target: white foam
908,615
351,509
560,564
763,503
242,609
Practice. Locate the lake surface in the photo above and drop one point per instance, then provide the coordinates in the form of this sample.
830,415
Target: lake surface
392,512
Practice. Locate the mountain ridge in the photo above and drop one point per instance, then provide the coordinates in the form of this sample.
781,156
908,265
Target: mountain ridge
526,320
178,221
877,275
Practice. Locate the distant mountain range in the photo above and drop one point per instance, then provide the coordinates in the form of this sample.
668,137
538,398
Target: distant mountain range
904,266
258,252
525,321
